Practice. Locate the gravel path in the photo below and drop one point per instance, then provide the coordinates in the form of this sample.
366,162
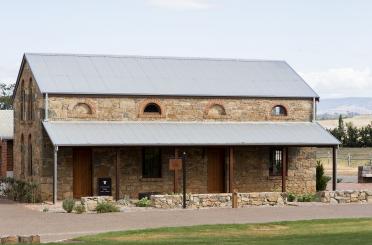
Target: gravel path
18,220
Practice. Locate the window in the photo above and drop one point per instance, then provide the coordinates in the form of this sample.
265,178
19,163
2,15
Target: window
29,158
23,101
279,111
30,102
151,163
22,155
276,162
152,108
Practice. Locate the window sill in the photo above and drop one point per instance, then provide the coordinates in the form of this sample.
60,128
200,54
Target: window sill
151,179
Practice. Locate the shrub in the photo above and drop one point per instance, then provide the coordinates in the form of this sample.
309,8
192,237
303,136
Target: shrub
306,198
291,197
68,205
144,202
107,207
20,190
339,180
45,209
321,179
79,208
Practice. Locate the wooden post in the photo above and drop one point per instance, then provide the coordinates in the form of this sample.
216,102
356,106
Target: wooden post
284,169
184,180
55,175
231,169
234,201
117,179
334,168
176,178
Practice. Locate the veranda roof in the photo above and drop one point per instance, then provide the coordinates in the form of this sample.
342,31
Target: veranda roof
93,133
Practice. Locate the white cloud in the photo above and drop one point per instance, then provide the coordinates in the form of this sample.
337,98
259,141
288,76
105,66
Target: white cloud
181,4
341,82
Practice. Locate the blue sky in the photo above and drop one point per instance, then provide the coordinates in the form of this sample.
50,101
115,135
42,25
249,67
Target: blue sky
328,42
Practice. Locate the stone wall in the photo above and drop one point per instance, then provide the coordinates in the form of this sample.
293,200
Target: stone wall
28,127
176,109
347,196
219,200
251,171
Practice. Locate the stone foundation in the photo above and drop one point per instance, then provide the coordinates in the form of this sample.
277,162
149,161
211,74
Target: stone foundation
219,200
348,196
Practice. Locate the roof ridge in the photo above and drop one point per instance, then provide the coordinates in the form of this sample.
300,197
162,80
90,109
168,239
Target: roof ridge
156,57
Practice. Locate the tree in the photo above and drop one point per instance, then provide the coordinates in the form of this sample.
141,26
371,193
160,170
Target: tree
6,92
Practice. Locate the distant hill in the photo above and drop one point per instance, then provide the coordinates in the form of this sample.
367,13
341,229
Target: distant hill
345,106
358,121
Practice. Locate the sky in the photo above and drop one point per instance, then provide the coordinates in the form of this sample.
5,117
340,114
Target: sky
329,43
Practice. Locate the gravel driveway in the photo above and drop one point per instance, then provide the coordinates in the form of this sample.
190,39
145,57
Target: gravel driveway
18,220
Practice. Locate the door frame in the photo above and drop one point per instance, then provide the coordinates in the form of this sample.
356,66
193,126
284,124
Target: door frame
91,166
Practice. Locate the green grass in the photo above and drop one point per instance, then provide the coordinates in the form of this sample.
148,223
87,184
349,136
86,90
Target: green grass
337,232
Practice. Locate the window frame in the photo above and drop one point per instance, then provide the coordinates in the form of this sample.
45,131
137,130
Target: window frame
273,111
153,174
283,160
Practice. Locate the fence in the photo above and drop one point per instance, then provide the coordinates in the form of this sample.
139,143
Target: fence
347,157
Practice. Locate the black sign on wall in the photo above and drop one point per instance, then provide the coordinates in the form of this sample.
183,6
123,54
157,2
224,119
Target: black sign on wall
104,187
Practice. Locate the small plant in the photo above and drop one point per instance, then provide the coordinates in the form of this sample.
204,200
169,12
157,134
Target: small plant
107,207
45,210
291,197
321,179
339,180
306,198
79,208
68,205
144,202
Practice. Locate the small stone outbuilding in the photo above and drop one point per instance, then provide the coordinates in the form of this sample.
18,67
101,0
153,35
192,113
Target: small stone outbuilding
129,125
6,143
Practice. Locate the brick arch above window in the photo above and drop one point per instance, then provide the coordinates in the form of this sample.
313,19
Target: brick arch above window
82,110
215,110
151,109
279,110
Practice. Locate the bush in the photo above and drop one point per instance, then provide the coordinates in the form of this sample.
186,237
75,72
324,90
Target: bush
79,208
68,205
20,190
107,207
144,202
321,179
291,197
306,198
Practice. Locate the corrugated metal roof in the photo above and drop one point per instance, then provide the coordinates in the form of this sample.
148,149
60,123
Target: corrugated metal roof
139,75
6,124
187,133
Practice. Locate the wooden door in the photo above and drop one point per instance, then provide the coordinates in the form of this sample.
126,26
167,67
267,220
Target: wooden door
216,170
82,172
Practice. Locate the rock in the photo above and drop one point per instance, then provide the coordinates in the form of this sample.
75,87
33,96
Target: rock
9,240
333,201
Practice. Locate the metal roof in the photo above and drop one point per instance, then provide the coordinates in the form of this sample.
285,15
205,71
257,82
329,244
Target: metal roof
83,133
167,76
6,124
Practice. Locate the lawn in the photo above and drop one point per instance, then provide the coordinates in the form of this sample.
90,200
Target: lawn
339,231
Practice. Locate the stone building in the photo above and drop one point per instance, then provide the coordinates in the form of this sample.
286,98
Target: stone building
6,143
117,125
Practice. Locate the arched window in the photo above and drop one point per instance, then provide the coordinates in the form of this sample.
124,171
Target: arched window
29,157
30,102
22,156
216,110
279,111
23,101
81,109
152,108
